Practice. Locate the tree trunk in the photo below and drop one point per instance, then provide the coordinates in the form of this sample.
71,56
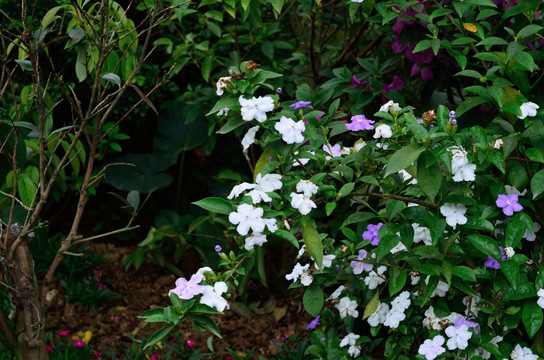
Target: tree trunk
25,300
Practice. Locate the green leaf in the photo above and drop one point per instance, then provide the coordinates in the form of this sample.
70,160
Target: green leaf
215,204
418,130
528,30
469,104
537,184
230,102
387,243
25,64
514,233
497,159
329,207
429,178
158,335
535,154
204,309
403,158
422,45
204,322
313,299
112,78
464,272
372,306
26,189
358,217
397,281
81,63
50,16
493,41
532,318
346,189
232,124
286,235
313,243
526,60
263,160
133,199
510,270
447,271
486,245
206,67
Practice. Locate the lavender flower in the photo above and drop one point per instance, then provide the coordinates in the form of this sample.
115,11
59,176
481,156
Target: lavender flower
360,122
301,104
371,233
278,90
492,263
313,323
509,204
218,248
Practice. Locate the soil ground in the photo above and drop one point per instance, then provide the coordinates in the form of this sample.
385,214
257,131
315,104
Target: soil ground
116,325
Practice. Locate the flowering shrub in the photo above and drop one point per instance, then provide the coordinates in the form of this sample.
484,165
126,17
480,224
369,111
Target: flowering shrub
417,230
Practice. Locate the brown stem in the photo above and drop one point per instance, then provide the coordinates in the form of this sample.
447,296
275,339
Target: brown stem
7,331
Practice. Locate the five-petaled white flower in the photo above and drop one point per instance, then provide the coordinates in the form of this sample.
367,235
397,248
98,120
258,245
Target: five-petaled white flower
302,203
291,131
458,337
390,106
454,214
249,217
269,182
298,270
347,307
349,340
306,187
212,296
432,348
379,316
256,108
374,278
522,353
383,131
528,109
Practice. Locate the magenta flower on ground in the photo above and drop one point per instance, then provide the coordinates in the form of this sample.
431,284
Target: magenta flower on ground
313,323
371,233
509,204
301,104
78,343
360,122
64,332
188,289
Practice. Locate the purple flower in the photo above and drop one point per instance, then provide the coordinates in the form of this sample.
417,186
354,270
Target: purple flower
278,90
492,263
188,289
313,323
359,266
360,122
334,150
509,204
371,233
452,114
454,122
218,248
356,83
397,84
301,104
420,121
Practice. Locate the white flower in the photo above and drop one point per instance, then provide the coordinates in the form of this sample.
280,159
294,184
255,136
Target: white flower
509,252
238,189
303,204
378,316
473,301
256,108
374,279
524,353
441,289
223,111
257,196
297,271
347,307
350,340
497,144
406,176
354,350
431,321
390,105
327,261
301,160
528,109
382,146
359,145
271,224
486,354
269,182
458,158
454,214
399,247
432,348
393,318
256,239
204,270
336,294
529,236
306,278
306,187
221,85
301,251
401,302
458,337
357,1
383,131
291,131
212,296
414,278
465,173
249,137
421,233
247,217
540,301
512,190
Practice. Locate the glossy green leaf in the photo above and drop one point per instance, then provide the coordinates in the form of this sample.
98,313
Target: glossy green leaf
403,158
313,299
313,243
486,245
532,318
215,204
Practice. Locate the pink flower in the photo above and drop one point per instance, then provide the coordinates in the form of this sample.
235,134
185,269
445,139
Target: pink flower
97,354
64,332
155,357
187,289
189,342
49,348
102,286
78,343
509,204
